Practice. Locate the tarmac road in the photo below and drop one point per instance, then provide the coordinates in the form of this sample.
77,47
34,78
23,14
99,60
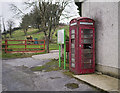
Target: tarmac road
17,76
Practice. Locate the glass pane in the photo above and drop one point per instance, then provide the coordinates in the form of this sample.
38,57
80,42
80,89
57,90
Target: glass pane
86,51
72,59
86,41
86,31
72,31
73,45
89,61
72,36
73,65
87,46
72,50
72,41
87,66
86,36
72,55
87,55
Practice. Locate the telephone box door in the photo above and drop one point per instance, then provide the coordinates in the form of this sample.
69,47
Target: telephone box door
86,49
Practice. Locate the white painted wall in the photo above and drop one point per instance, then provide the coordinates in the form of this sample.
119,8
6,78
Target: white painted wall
105,15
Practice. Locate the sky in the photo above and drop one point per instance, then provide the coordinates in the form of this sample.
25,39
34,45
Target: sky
7,13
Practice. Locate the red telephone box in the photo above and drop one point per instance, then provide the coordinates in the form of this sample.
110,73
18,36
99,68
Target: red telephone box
82,45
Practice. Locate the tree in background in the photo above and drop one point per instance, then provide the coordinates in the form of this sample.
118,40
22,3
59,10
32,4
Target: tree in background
25,23
4,29
50,16
35,18
44,15
10,24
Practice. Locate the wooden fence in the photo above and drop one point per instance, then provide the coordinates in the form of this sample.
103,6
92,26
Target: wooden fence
10,46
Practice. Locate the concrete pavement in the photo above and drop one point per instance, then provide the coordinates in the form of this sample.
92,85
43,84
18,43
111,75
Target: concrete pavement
54,54
101,81
17,77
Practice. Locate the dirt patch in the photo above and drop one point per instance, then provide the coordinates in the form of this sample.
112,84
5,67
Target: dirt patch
72,85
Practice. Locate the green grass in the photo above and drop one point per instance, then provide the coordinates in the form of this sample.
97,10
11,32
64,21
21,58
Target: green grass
53,46
19,55
50,66
53,65
19,35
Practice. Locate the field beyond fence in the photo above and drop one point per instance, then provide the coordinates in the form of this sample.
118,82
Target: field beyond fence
18,46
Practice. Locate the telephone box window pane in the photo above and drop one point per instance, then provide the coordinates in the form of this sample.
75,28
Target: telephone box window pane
72,41
86,31
86,41
72,50
72,55
72,36
73,65
87,55
86,35
87,46
73,45
86,51
72,31
89,61
73,60
87,66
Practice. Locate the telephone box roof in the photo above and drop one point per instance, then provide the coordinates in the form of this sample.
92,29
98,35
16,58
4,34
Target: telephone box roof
80,18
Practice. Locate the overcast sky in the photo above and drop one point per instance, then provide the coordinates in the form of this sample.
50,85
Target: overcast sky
6,13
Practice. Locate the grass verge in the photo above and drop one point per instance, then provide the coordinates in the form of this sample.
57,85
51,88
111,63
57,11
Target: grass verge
18,55
53,65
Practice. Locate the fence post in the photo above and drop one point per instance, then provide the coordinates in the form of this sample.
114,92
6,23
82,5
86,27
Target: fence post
5,46
25,44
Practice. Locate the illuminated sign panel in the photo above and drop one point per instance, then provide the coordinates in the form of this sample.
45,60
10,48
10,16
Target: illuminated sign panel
86,23
73,24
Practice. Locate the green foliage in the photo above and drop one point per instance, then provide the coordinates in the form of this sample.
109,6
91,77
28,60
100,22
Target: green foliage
53,65
18,55
50,66
53,46
19,35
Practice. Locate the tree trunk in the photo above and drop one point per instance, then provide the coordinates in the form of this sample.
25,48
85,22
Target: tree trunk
25,32
47,41
52,34
5,35
10,32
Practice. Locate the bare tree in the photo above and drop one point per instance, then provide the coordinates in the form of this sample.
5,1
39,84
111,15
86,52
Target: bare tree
10,24
49,14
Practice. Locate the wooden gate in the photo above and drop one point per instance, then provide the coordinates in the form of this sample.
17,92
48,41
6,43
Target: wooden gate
34,46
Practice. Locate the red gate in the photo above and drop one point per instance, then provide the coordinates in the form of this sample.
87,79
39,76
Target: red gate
11,46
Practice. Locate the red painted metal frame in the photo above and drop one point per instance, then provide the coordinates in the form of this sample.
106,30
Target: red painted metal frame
78,58
34,51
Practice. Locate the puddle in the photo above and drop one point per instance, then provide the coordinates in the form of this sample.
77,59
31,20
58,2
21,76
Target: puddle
72,85
55,77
